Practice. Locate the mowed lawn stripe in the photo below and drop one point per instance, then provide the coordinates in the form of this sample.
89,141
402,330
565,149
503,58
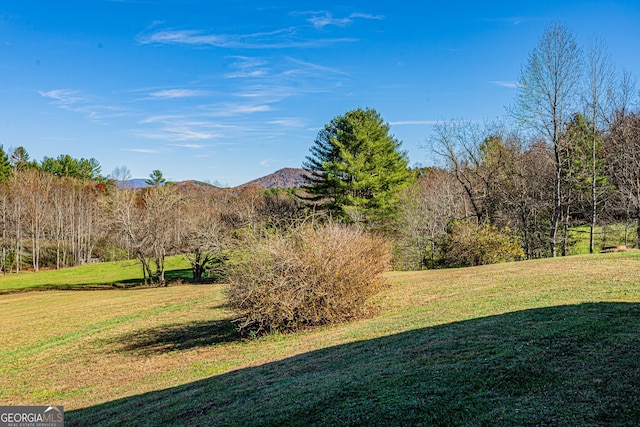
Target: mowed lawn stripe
50,342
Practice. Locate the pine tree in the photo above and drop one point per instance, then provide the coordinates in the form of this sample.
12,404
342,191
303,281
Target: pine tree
356,169
5,165
156,179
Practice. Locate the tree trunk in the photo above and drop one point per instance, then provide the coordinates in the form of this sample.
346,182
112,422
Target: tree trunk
35,243
557,211
146,269
594,201
638,228
159,261
197,273
592,230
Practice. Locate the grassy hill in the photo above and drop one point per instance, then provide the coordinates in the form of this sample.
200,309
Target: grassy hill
104,275
547,342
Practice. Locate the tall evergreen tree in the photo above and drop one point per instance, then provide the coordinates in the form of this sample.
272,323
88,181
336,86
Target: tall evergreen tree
65,165
356,168
5,165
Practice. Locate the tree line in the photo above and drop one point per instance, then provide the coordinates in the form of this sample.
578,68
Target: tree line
566,154
505,190
61,212
48,210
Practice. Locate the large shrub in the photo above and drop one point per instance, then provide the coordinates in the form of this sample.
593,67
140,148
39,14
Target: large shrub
469,244
307,276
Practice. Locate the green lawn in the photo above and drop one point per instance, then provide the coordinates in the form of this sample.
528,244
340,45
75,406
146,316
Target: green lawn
605,235
94,276
550,342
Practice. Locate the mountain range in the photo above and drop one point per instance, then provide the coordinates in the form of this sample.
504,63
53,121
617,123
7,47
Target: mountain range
283,178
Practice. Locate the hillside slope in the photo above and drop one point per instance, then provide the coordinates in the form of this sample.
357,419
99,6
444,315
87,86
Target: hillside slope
547,342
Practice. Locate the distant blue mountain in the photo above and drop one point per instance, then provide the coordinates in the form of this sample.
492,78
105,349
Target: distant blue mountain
283,178
134,183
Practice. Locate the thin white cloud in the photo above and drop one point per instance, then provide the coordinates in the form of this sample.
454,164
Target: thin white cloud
187,134
505,83
63,96
278,39
248,109
271,92
366,16
228,110
251,94
199,124
184,37
247,74
178,93
76,101
98,113
315,67
175,133
191,121
322,21
247,67
243,62
159,118
289,122
190,146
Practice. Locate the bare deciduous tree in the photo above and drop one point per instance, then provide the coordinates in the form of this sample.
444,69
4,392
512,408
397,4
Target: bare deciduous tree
546,99
466,147
425,210
623,161
599,80
161,225
150,223
204,238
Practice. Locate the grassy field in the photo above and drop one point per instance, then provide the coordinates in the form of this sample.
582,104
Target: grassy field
105,275
550,342
605,235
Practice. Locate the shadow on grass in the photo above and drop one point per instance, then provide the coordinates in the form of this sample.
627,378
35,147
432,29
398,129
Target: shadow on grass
179,275
177,337
173,277
566,365
183,275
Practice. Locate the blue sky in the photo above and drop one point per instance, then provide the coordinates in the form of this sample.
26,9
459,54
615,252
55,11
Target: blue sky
228,91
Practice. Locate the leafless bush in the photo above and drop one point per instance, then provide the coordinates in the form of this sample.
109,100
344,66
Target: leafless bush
307,276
